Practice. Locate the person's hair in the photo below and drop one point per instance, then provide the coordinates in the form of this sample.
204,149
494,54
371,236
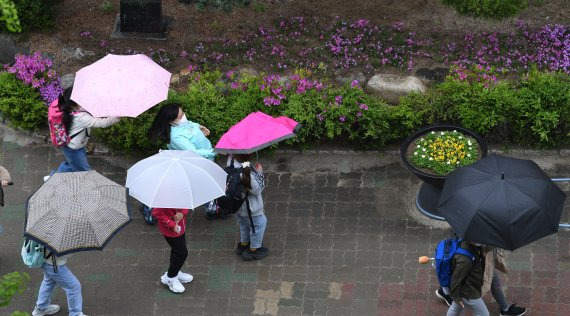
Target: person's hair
66,105
246,175
160,128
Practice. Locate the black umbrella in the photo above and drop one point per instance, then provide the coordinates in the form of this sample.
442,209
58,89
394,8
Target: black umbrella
501,201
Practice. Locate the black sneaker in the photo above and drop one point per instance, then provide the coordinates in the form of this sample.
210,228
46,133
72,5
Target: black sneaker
259,254
446,298
514,310
240,248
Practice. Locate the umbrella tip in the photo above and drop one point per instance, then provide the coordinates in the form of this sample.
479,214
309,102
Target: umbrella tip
502,176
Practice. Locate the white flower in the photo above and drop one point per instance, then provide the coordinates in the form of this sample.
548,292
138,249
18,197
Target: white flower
416,153
421,139
470,148
432,132
468,155
455,131
418,146
460,137
457,163
449,162
430,158
469,142
442,133
423,156
423,149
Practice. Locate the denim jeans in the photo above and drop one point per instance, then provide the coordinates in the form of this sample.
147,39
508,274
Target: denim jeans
67,281
246,233
75,160
477,307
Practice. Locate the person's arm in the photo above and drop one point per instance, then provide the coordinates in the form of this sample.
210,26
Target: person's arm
4,174
461,266
183,143
163,218
257,183
87,120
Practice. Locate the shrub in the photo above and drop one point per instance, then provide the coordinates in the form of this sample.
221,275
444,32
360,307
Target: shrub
36,71
35,14
21,104
9,14
12,284
495,9
534,110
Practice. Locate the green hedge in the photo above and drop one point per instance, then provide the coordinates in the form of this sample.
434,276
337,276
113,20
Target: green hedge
495,9
535,110
21,104
532,110
34,15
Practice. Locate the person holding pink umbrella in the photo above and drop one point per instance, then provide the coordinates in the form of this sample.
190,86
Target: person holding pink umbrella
78,124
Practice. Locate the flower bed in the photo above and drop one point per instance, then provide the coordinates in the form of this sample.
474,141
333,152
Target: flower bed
441,152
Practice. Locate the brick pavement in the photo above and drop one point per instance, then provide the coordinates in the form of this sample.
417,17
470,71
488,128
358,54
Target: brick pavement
342,243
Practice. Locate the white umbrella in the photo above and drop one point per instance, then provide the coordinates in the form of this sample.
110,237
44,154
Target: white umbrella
176,179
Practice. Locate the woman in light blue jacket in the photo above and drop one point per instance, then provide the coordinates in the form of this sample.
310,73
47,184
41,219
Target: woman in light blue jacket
172,127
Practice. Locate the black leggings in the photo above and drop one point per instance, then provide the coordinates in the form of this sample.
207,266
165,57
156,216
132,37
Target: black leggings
178,254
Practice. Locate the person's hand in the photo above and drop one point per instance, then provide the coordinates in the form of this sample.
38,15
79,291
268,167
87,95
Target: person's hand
259,167
178,216
205,130
460,302
177,229
4,183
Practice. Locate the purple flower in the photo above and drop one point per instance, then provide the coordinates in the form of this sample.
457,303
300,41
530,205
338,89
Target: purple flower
230,74
183,54
355,84
342,118
103,43
364,106
85,34
359,114
234,85
321,117
338,99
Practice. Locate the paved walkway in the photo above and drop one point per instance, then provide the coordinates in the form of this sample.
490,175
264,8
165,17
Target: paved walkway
344,238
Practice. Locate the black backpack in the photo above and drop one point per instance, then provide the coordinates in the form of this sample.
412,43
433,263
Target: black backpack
235,195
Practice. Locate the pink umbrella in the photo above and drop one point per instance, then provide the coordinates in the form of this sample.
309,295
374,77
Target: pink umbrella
120,85
256,131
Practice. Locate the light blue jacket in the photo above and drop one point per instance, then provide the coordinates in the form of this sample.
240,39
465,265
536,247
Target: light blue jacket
188,136
254,197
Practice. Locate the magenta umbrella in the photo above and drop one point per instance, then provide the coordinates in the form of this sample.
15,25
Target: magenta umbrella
256,131
120,85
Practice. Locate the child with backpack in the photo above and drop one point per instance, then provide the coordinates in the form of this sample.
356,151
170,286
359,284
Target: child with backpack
494,260
56,273
70,129
250,216
172,225
467,266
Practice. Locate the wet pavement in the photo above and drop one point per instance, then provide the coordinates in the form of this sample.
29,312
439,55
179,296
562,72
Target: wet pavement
343,232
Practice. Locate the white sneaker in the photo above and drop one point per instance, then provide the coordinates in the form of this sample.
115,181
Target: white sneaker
46,178
50,310
173,283
184,277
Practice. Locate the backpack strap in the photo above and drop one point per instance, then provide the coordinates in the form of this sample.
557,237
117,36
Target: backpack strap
249,211
466,253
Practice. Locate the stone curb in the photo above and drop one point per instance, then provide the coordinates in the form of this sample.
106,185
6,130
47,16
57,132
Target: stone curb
103,150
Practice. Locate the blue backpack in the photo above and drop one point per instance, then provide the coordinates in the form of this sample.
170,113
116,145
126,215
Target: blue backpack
444,253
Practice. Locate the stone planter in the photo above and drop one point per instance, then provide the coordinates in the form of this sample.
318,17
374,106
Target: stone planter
433,179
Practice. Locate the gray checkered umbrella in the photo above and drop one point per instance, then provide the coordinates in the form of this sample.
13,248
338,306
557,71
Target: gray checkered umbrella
76,211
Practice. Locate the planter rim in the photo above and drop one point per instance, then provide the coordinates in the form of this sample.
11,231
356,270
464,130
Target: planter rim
438,127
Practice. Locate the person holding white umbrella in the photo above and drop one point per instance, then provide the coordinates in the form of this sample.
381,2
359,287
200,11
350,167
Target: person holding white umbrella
172,225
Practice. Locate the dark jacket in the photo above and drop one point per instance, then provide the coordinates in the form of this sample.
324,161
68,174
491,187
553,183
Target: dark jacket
467,277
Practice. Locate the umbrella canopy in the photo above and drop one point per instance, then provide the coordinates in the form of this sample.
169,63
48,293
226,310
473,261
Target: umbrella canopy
176,179
501,201
256,131
120,85
76,211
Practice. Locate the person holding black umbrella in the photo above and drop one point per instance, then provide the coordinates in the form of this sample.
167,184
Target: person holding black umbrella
467,281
